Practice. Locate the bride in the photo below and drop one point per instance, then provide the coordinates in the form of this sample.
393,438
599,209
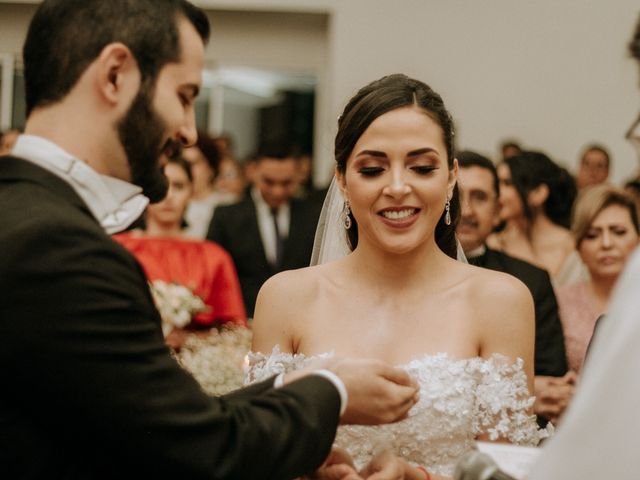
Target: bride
465,333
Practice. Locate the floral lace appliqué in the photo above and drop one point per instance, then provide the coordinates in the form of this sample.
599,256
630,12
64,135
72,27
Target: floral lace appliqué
459,400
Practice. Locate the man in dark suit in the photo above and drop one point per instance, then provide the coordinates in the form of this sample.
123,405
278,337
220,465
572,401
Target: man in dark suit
89,388
269,231
479,192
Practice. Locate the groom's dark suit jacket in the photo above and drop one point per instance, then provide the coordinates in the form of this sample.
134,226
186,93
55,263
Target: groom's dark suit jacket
550,357
235,228
89,387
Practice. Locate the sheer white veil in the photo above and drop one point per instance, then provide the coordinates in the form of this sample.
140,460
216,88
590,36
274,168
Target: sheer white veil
331,238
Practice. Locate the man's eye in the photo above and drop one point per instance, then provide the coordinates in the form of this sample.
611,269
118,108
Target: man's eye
371,171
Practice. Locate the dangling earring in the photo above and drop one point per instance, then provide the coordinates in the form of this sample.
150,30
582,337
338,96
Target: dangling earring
346,219
447,215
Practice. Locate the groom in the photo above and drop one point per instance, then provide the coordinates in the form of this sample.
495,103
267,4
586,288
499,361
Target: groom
89,388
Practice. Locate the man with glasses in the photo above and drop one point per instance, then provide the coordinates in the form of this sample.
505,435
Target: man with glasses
598,437
479,190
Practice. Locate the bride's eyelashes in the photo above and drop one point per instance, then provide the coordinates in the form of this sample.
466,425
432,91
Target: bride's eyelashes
375,171
370,171
424,169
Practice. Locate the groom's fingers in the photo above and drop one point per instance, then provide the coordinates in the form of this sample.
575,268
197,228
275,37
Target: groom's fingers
397,375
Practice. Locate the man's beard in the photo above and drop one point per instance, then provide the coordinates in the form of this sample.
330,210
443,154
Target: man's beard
141,133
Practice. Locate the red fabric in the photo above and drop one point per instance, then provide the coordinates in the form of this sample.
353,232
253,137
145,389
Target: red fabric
203,266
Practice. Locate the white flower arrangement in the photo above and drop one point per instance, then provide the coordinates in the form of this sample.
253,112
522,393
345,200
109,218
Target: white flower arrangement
217,359
176,303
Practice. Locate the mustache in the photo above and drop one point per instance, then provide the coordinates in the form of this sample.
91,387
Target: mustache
172,149
467,222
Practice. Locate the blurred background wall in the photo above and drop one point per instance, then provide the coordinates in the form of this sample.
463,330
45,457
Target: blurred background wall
552,74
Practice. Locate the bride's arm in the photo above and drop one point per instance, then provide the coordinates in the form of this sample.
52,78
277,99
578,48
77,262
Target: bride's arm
273,323
508,322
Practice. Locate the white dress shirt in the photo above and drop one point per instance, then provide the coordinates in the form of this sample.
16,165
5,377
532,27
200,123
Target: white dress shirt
116,204
266,226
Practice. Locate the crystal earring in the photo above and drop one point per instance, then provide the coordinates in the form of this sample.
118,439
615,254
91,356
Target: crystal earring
447,215
346,219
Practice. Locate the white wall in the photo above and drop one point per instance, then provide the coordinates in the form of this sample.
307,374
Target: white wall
553,73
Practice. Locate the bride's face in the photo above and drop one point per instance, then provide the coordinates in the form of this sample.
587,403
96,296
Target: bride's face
397,180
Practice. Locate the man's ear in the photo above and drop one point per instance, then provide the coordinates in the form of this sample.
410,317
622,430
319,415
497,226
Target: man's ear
538,195
117,74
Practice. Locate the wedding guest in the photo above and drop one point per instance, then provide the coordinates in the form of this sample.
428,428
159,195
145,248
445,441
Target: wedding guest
594,166
204,158
605,228
510,148
479,193
93,392
536,197
270,230
397,293
166,254
598,438
231,181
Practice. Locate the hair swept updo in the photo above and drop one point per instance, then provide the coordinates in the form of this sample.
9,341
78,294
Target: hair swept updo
382,96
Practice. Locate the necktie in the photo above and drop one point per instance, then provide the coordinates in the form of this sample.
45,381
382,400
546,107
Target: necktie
279,239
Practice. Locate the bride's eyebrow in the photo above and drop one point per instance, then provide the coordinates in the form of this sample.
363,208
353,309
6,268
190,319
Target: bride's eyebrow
372,153
422,151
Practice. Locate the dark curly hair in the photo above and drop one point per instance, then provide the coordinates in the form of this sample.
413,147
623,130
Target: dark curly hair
529,170
382,96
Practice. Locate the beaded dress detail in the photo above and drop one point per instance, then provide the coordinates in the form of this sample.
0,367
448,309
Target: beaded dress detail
459,400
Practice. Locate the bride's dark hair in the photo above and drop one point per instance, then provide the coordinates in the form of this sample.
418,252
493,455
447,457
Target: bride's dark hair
382,96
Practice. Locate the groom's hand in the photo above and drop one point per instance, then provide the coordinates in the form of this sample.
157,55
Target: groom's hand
378,392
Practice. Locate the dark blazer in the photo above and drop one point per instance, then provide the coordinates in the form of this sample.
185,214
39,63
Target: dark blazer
235,228
550,356
89,388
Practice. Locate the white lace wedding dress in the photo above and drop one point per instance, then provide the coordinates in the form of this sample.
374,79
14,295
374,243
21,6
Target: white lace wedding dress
459,400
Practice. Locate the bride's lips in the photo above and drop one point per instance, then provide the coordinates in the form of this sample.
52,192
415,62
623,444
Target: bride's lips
399,217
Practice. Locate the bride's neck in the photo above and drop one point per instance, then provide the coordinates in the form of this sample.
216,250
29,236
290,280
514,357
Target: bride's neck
376,263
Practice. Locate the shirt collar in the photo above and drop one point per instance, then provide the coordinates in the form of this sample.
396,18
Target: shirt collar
116,204
477,252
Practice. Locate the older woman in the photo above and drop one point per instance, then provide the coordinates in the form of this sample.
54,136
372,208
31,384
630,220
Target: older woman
605,228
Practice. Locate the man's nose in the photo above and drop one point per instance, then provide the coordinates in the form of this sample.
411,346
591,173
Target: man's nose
188,134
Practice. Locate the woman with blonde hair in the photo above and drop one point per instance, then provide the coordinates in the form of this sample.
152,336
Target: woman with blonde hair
605,229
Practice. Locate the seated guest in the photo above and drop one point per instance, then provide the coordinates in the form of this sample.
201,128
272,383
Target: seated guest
594,166
479,192
166,254
204,158
536,197
269,231
605,228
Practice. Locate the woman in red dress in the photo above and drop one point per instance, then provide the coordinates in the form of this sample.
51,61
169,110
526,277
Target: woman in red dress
167,254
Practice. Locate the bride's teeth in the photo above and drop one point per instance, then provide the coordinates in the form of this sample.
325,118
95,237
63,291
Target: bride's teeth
398,214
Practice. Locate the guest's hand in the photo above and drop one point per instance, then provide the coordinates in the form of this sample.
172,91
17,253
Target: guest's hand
338,466
553,395
378,392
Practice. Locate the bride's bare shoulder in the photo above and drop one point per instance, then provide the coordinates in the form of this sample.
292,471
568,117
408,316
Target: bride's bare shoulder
496,290
288,290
